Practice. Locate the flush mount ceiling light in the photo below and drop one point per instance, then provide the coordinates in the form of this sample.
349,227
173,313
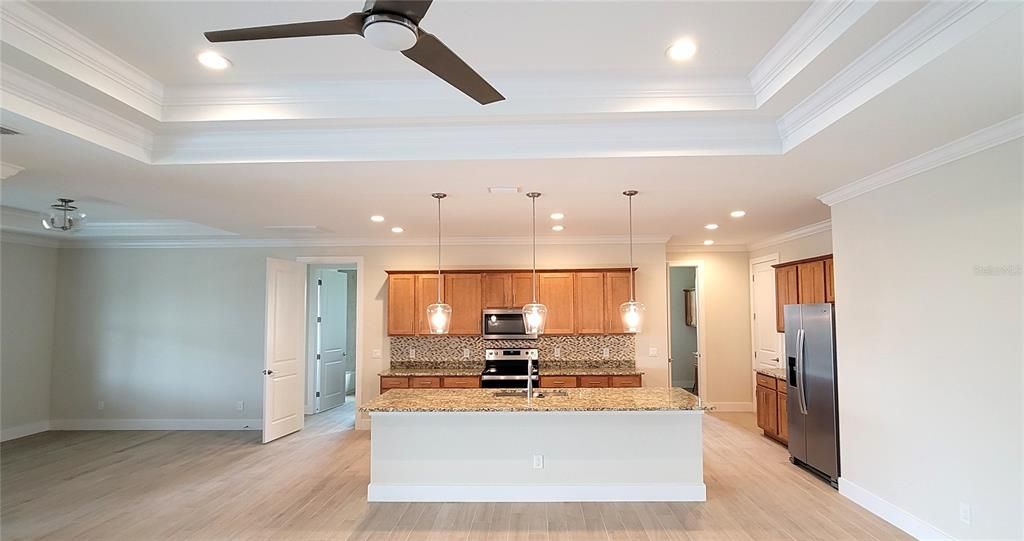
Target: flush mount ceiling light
708,242
557,215
738,213
682,50
214,61
377,218
389,32
711,227
64,217
397,230
439,314
535,313
632,311
558,228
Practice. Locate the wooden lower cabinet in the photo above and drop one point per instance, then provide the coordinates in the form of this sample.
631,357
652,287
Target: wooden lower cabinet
420,382
473,382
770,399
783,431
460,382
625,381
558,381
390,382
594,381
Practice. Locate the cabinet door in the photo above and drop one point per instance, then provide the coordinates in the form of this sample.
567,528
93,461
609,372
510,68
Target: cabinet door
767,410
590,305
616,292
555,290
830,292
401,304
522,288
811,279
426,294
497,290
783,422
462,292
785,293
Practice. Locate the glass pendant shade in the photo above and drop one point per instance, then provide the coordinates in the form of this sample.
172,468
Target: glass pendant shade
632,316
439,315
64,217
534,316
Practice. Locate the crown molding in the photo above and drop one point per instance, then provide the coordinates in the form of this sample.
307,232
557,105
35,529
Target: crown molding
17,237
8,170
925,35
798,233
149,229
81,242
821,25
37,33
42,102
981,140
700,248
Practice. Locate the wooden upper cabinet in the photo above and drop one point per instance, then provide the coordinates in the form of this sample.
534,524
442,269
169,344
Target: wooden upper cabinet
590,305
830,282
522,288
402,304
555,290
786,292
811,280
426,294
616,292
463,293
496,290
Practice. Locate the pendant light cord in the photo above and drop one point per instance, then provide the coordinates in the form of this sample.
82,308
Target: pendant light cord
632,296
438,250
534,280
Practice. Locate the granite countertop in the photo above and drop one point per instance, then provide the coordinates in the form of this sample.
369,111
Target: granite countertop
777,373
483,400
438,372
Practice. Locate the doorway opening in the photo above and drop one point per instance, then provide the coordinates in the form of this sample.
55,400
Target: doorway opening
685,334
331,362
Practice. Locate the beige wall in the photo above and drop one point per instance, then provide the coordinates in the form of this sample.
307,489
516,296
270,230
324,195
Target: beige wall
802,248
28,280
178,333
928,335
725,291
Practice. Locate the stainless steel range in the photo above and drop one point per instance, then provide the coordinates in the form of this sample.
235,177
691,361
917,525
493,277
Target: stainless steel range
510,368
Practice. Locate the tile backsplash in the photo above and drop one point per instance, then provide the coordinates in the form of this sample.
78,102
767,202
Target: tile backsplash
572,351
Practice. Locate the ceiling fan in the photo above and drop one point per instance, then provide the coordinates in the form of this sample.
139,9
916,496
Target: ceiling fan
392,25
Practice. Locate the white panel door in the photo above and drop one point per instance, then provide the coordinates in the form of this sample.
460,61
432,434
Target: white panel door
333,341
766,339
284,356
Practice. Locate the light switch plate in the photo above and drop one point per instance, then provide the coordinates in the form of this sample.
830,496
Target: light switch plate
538,462
965,513
240,405
558,352
375,354
652,352
100,405
465,353
604,353
412,353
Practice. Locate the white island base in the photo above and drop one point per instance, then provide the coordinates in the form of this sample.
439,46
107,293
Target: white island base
537,456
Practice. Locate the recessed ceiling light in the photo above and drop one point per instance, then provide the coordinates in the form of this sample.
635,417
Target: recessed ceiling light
397,230
738,213
504,189
683,49
213,60
558,227
377,218
708,242
557,215
711,227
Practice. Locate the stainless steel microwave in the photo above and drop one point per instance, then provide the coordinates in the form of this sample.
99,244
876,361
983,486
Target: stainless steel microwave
505,324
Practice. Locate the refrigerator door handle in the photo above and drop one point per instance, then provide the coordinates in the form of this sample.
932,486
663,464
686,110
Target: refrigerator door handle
801,383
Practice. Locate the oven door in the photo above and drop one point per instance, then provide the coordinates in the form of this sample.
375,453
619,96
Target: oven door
505,325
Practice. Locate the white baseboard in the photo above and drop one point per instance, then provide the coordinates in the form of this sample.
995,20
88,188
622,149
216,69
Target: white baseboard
664,492
892,514
157,424
21,431
732,406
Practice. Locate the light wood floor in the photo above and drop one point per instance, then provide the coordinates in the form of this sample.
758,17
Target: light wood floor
312,485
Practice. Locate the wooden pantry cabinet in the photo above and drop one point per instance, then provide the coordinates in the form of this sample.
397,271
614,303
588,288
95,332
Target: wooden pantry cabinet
807,281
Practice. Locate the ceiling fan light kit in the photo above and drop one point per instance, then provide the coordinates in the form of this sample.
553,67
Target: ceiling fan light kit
389,32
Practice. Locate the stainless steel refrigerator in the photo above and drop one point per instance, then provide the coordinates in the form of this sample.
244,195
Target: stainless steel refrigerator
812,405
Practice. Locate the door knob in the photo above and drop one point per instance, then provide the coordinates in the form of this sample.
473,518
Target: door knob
268,372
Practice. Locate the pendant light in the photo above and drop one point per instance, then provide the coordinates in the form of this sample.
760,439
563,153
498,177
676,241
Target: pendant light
632,312
535,314
439,314
64,216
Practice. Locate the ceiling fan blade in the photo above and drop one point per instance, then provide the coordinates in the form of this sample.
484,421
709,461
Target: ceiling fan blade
353,24
414,10
438,59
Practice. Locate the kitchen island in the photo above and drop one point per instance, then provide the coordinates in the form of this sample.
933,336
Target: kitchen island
481,445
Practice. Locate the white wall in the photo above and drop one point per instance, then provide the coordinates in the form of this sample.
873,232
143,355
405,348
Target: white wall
178,333
28,284
928,332
725,292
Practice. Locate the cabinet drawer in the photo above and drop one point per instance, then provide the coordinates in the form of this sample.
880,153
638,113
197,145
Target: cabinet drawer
461,382
593,381
557,381
625,381
424,382
391,382
766,381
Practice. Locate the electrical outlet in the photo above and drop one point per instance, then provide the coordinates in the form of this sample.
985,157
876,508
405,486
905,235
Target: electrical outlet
240,405
965,513
558,352
652,352
375,353
412,353
538,462
604,353
100,405
465,353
